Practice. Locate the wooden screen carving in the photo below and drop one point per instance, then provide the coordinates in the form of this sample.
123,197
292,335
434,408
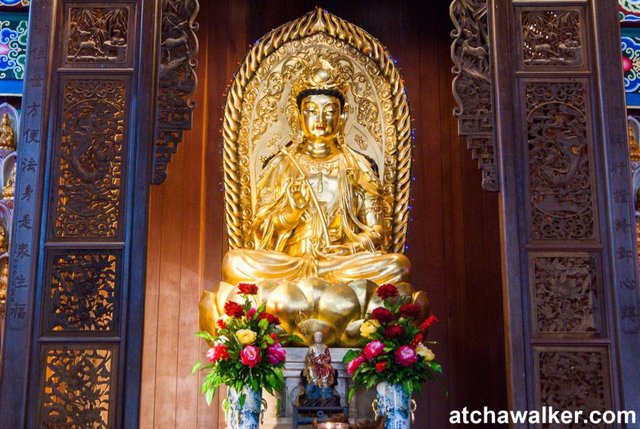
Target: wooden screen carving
83,292
566,295
560,179
77,386
574,380
76,298
571,260
91,154
97,35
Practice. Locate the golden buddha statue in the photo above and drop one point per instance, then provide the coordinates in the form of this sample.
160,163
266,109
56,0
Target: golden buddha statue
7,137
319,207
318,227
8,190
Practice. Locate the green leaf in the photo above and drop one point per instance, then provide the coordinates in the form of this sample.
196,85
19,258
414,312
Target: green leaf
350,355
263,324
196,367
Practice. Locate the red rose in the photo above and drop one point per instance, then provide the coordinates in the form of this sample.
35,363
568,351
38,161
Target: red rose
382,315
406,356
387,291
221,324
417,340
373,349
250,356
428,322
381,366
272,319
248,289
410,310
354,364
217,352
233,309
393,332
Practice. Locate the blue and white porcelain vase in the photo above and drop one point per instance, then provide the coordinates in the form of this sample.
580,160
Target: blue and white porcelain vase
394,403
246,416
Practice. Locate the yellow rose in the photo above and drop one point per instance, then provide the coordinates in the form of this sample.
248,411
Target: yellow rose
369,327
246,336
425,352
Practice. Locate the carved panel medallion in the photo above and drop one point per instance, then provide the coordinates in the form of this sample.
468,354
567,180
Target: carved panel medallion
574,380
91,159
566,294
97,34
551,38
560,178
82,292
76,388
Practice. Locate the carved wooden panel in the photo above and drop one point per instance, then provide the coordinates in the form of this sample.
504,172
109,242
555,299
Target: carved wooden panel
551,38
91,161
83,291
472,86
560,177
575,380
566,294
97,34
77,388
176,80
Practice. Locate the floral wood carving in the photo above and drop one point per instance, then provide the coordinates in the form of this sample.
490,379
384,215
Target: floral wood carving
573,380
472,86
97,34
82,293
551,38
560,180
77,390
176,81
566,294
91,159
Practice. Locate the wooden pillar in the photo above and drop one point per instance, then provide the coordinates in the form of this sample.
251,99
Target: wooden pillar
571,292
74,326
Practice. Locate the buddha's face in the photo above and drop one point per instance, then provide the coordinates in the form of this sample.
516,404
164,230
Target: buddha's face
320,117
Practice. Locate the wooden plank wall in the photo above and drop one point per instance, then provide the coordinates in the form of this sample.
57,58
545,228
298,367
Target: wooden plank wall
454,241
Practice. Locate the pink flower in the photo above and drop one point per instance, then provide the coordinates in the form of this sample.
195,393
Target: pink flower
250,356
251,312
210,354
373,349
354,364
406,356
276,354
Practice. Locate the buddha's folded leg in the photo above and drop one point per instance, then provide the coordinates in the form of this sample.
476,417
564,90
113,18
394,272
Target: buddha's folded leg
246,265
377,267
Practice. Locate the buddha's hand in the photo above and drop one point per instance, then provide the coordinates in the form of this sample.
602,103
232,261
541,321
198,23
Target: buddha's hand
297,196
338,250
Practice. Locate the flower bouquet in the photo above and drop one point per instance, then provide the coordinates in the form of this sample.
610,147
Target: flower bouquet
395,358
247,355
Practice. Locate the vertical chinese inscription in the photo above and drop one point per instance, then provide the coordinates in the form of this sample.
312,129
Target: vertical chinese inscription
560,180
82,292
566,294
551,38
574,380
77,389
91,159
97,34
